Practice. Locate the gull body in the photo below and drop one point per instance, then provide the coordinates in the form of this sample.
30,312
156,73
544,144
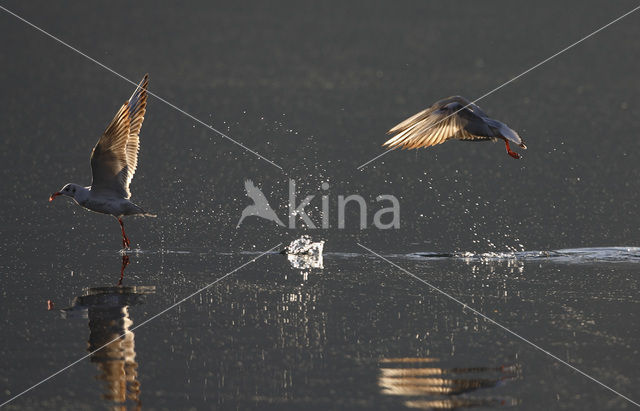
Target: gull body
452,118
114,160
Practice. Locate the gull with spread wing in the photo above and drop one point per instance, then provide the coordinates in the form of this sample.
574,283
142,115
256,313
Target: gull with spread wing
113,162
452,118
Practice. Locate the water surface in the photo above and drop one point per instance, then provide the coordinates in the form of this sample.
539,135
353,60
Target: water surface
546,246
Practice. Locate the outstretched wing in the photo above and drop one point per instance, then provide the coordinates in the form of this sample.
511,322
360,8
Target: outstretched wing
453,117
425,129
115,157
137,109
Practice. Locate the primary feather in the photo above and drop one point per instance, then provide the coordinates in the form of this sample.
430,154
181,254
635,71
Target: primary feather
115,157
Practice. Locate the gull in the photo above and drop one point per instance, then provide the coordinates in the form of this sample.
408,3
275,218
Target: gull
452,118
260,206
113,162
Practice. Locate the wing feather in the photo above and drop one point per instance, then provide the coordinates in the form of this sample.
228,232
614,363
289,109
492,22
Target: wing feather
137,109
411,121
114,159
427,130
451,118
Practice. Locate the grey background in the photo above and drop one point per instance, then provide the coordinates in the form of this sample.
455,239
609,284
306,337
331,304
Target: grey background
314,87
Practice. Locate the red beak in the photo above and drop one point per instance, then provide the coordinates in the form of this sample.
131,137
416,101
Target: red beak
54,195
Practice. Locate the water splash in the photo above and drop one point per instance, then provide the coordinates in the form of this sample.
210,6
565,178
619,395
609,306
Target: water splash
304,246
568,255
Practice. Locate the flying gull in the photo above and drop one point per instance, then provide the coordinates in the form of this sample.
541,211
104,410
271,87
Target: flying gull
452,118
113,162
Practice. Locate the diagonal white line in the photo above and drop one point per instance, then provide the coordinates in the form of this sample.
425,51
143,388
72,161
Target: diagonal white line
478,313
173,106
384,153
139,325
515,78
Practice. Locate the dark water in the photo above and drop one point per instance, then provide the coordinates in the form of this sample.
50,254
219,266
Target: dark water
546,246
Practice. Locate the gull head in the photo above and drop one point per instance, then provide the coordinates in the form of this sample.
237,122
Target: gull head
70,190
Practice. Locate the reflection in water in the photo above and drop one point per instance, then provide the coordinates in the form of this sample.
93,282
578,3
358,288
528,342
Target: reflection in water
107,309
288,326
304,254
305,263
567,255
427,386
125,263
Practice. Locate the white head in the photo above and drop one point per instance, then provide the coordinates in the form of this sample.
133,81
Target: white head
74,191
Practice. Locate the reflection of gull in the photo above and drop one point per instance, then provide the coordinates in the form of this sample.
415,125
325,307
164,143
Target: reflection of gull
107,309
452,118
260,207
429,386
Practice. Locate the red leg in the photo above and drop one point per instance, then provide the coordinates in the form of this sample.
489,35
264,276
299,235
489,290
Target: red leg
125,241
125,263
511,153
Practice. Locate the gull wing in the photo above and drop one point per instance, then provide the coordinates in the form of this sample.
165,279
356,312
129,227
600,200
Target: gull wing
451,118
425,129
114,159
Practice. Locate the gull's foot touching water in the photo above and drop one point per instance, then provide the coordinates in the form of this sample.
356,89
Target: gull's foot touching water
452,118
114,160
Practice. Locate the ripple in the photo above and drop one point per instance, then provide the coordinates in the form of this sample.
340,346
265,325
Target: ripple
567,255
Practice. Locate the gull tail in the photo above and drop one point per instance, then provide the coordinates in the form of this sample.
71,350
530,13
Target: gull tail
136,210
145,214
506,132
